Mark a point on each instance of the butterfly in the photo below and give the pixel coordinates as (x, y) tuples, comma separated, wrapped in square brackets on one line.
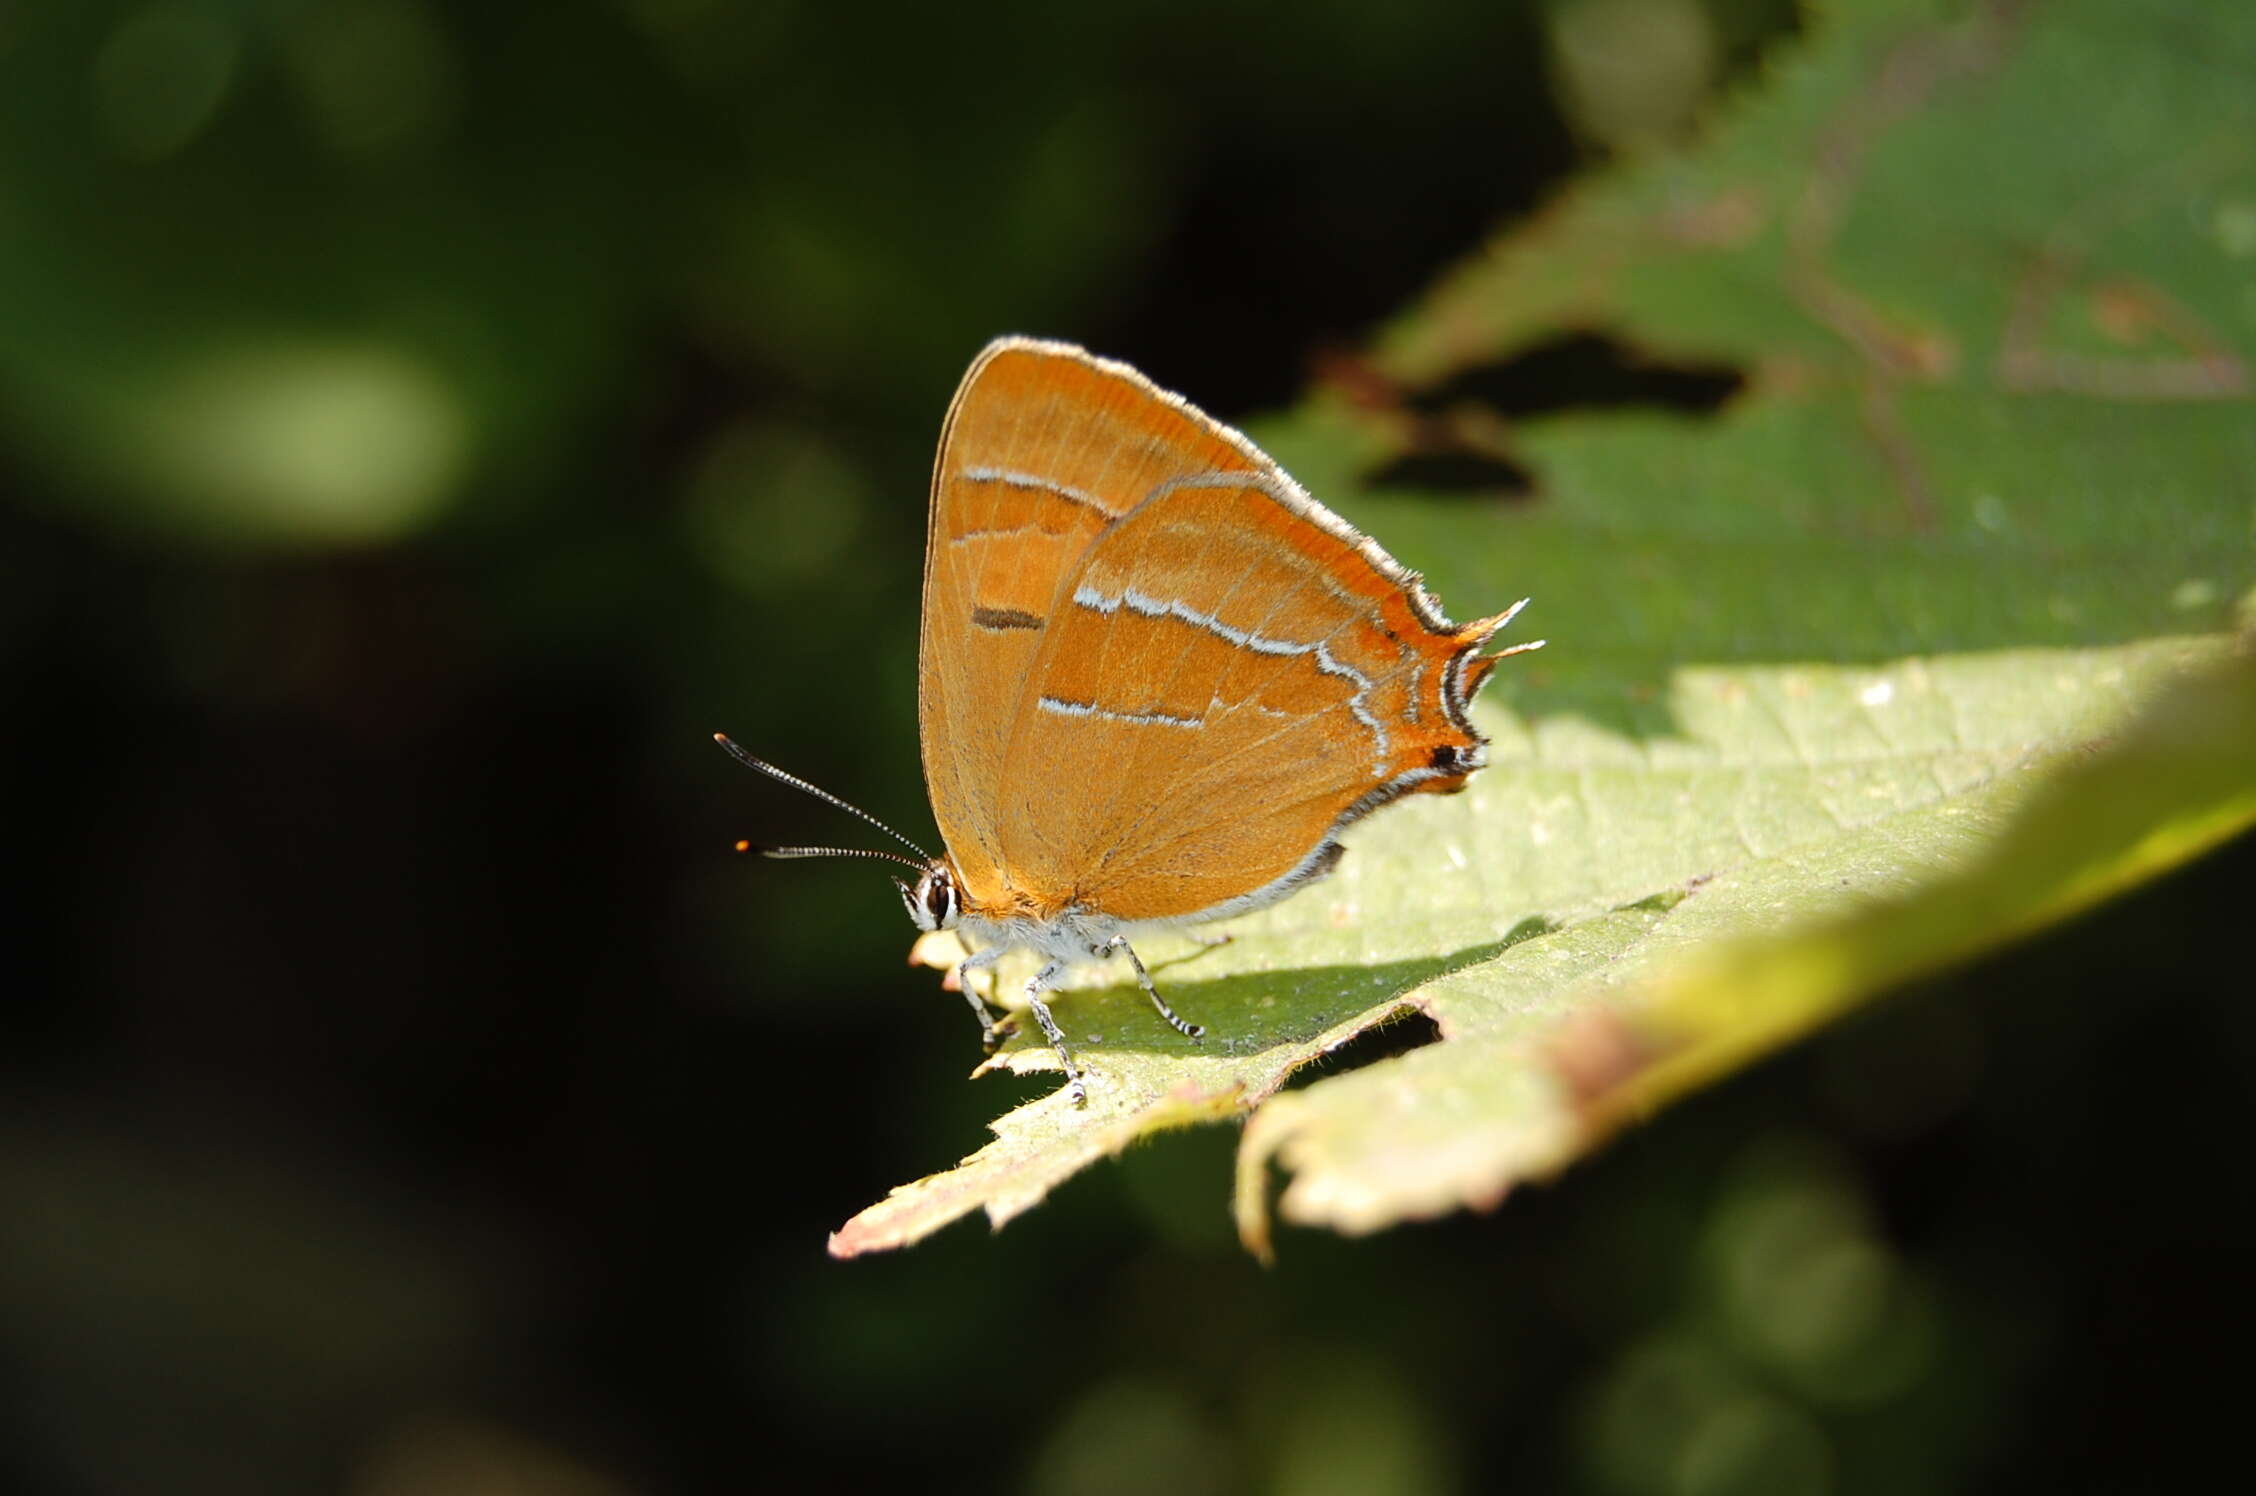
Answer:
[(1155, 677)]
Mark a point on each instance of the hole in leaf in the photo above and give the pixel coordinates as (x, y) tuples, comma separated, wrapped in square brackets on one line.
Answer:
[(1584, 371), (1457, 471), (1460, 429), (1396, 1036)]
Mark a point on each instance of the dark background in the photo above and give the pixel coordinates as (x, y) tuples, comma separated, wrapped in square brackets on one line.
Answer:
[(425, 424)]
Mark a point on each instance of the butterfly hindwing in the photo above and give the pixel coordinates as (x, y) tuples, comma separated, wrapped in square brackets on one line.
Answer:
[(1227, 675)]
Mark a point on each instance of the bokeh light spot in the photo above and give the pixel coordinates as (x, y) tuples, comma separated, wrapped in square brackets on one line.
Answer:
[(1755, 1446), (312, 442), (1806, 1285), (773, 506), (1127, 1436), (375, 74), (1340, 1423), (1648, 1409), (161, 75)]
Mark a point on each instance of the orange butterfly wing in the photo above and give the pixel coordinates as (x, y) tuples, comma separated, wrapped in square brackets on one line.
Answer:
[(1043, 447), (1235, 674), (1155, 674)]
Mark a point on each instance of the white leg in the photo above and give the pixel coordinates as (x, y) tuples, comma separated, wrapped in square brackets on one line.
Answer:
[(1120, 943), (1034, 990), (991, 1033)]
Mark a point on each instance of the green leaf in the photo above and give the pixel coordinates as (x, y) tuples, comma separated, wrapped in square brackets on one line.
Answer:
[(1919, 643), (1556, 1043)]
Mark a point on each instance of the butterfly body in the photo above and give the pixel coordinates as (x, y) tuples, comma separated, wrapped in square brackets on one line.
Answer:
[(1155, 677)]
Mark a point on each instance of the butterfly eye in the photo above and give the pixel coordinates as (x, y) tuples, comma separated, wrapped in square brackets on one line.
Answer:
[(932, 903), (936, 891)]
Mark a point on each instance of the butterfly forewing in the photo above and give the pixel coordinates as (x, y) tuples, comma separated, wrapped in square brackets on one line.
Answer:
[(1043, 448)]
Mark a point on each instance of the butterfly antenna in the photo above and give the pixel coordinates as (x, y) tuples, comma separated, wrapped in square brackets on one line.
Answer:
[(827, 798), (790, 852)]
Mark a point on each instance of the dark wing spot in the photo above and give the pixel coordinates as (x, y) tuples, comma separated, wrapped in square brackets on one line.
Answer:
[(1006, 618)]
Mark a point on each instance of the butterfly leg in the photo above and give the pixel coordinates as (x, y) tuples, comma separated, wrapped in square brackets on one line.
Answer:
[(1034, 990), (991, 1033), (1120, 943)]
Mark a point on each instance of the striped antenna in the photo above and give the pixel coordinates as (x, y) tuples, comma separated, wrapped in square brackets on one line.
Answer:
[(801, 785), (790, 852)]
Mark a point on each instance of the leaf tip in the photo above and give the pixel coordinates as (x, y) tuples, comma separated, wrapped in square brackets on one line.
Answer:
[(1250, 1199)]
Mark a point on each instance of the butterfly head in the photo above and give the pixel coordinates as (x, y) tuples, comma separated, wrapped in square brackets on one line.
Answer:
[(933, 901)]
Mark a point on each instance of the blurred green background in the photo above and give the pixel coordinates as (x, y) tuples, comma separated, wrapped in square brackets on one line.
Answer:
[(425, 424)]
